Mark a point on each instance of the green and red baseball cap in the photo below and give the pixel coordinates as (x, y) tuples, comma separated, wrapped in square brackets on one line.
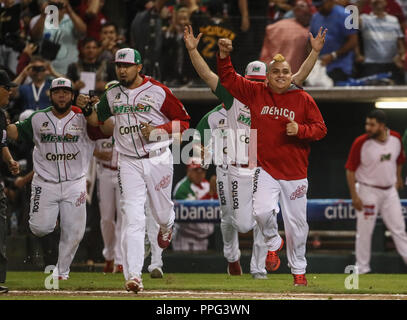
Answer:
[(61, 83), (128, 55), (256, 70)]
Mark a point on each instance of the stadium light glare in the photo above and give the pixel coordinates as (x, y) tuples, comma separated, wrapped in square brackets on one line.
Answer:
[(391, 103)]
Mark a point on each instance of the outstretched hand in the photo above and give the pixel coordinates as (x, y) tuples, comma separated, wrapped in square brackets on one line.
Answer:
[(318, 42), (191, 42)]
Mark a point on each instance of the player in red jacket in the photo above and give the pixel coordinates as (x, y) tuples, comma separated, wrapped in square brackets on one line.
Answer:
[(287, 120)]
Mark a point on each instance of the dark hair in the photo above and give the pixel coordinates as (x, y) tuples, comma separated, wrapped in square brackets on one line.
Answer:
[(38, 58), (109, 24), (379, 115), (87, 40)]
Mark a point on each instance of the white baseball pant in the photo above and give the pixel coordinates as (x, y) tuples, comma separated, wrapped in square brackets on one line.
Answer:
[(110, 214), (139, 178), (387, 202), (268, 193), (152, 230), (238, 216), (68, 199)]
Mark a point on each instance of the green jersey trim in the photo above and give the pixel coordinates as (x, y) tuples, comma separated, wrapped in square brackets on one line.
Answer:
[(204, 124), (224, 96), (183, 190), (103, 109), (25, 128)]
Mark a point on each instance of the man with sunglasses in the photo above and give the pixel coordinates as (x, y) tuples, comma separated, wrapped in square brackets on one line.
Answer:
[(5, 88), (35, 94)]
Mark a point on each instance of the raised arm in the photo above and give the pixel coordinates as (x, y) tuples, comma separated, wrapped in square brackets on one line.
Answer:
[(239, 87), (201, 67), (317, 44)]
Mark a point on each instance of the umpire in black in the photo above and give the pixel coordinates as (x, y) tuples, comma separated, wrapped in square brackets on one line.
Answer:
[(5, 90)]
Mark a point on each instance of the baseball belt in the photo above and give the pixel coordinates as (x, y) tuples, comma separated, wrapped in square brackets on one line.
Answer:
[(377, 187)]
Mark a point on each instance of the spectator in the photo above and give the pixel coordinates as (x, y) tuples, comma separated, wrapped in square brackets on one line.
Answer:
[(11, 44), (109, 42), (70, 29), (249, 20), (383, 43), (35, 94), (278, 9), (146, 37), (214, 27), (193, 236), (392, 7), (90, 12), (289, 37), (337, 54), (176, 67), (96, 73)]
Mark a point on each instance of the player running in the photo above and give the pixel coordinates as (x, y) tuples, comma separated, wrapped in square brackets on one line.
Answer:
[(142, 107), (63, 149), (286, 119), (236, 179)]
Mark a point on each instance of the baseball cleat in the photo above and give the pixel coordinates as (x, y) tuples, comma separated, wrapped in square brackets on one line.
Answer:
[(118, 268), (300, 280), (108, 268), (3, 289), (272, 259), (259, 276), (135, 285), (157, 273), (62, 278), (164, 238), (234, 268)]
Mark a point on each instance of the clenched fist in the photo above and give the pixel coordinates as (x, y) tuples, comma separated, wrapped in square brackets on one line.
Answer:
[(225, 47)]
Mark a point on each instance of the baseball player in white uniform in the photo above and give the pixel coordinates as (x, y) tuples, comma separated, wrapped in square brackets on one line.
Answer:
[(240, 175), (231, 192), (373, 172), (61, 157), (109, 203), (143, 108)]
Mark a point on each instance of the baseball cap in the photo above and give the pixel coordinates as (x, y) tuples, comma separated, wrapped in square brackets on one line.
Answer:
[(128, 55), (256, 70), (194, 163), (61, 83), (5, 80)]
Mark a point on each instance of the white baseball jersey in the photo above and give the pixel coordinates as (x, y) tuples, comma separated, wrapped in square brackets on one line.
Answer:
[(151, 102), (239, 122), (62, 149), (213, 133), (375, 163), (107, 145)]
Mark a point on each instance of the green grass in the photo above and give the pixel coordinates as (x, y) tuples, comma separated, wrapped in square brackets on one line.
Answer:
[(277, 283)]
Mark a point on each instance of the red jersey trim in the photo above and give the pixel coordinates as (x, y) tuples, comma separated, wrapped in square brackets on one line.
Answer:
[(354, 155)]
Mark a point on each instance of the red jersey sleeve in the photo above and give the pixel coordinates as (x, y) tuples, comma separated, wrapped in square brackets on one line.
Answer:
[(354, 155), (314, 128), (402, 156), (239, 87), (174, 110)]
